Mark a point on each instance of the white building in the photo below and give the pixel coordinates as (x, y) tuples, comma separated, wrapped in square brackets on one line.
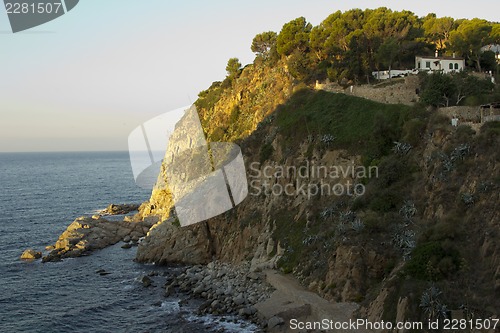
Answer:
[(439, 64)]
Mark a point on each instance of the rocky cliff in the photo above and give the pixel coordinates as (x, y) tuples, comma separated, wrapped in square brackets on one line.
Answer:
[(363, 202)]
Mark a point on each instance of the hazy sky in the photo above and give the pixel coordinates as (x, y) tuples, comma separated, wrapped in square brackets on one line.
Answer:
[(85, 80)]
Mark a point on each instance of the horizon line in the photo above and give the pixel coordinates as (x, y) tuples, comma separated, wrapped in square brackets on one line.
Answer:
[(64, 151)]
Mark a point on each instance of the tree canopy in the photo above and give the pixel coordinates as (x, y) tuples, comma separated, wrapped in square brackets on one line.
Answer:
[(294, 36), (348, 46), (233, 67), (469, 38), (263, 43)]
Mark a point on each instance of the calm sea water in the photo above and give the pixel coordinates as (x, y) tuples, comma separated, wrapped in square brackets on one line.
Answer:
[(40, 194)]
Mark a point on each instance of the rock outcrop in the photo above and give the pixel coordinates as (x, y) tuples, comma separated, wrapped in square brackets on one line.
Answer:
[(86, 234), (169, 243)]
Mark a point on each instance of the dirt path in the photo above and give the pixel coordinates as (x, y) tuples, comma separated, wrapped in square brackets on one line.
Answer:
[(292, 301)]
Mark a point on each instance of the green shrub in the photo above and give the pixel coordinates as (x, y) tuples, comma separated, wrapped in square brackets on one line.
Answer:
[(385, 201), (430, 261), (413, 131), (265, 152), (464, 133), (290, 234), (208, 98), (491, 128)]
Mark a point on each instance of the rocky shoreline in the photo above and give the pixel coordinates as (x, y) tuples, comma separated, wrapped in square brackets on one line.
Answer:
[(86, 234), (226, 288), (217, 288)]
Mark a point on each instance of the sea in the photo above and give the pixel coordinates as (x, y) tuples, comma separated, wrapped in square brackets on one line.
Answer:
[(40, 195)]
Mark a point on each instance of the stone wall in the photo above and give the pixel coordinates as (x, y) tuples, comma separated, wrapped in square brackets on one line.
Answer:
[(396, 91), (463, 113)]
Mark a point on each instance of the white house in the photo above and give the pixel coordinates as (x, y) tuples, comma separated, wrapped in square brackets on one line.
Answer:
[(436, 63)]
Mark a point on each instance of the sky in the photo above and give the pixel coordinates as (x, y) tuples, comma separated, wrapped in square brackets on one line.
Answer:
[(86, 80)]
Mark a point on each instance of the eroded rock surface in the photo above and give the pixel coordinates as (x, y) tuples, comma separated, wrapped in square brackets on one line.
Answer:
[(87, 234)]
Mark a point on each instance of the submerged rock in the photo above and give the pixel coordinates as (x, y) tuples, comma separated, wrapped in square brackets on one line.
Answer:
[(102, 272)]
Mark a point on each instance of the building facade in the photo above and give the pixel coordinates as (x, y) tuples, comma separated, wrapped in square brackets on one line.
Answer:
[(439, 64)]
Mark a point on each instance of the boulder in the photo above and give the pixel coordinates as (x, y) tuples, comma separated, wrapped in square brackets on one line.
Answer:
[(239, 300), (31, 254)]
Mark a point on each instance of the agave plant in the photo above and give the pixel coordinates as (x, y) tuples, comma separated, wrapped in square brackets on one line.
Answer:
[(347, 217), (405, 240), (468, 199), (326, 139), (327, 213), (460, 152), (357, 225), (401, 148), (408, 210), (431, 304)]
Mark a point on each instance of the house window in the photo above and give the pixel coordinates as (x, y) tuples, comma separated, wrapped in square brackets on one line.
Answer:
[(451, 65), (427, 64), (456, 66)]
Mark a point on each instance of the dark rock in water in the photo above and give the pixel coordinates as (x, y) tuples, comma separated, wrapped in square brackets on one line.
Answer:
[(102, 272), (126, 246), (146, 281), (51, 257), (169, 290), (31, 254)]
